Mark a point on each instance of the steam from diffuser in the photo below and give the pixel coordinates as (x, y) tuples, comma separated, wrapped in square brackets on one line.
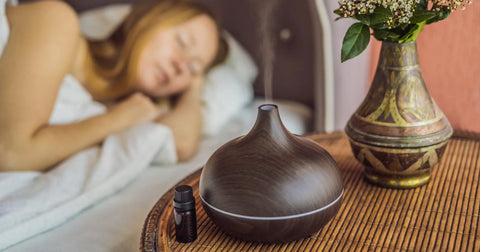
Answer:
[(267, 44)]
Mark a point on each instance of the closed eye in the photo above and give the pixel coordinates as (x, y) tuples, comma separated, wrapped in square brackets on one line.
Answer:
[(182, 39)]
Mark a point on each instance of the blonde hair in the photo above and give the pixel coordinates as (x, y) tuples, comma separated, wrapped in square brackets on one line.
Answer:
[(116, 59)]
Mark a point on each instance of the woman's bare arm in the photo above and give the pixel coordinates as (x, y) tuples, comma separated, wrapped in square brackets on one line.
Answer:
[(185, 121), (44, 37)]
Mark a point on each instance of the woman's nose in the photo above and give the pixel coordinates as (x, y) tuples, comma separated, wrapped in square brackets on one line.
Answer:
[(187, 63), (177, 68)]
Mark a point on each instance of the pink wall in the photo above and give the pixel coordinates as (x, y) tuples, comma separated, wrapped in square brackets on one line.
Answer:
[(449, 54)]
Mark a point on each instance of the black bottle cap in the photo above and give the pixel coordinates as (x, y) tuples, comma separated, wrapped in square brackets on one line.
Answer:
[(184, 199)]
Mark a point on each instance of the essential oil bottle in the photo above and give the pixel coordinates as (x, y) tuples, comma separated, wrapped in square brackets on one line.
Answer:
[(184, 213)]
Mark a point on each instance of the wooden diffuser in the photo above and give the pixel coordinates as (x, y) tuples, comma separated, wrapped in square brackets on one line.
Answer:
[(270, 185)]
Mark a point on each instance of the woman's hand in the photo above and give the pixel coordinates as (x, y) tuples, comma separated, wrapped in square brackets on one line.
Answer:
[(194, 91), (137, 108), (197, 82), (185, 120)]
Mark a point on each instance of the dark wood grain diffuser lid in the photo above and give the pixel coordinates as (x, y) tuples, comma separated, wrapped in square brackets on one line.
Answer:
[(270, 172)]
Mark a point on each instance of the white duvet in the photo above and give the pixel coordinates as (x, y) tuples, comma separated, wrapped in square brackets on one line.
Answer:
[(32, 202)]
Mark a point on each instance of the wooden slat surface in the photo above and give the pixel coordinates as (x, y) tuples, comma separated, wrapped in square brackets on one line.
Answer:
[(441, 216)]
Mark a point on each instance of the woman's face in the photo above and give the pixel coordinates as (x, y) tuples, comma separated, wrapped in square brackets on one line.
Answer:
[(175, 56)]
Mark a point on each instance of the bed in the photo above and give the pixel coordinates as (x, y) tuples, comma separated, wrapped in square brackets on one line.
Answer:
[(303, 89)]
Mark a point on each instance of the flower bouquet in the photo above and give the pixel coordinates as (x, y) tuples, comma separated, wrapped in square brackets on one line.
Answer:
[(391, 20)]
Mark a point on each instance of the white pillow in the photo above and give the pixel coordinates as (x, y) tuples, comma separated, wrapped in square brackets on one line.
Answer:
[(99, 23), (227, 88), (4, 29)]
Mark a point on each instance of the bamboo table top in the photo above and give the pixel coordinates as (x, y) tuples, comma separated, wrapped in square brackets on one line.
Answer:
[(440, 216)]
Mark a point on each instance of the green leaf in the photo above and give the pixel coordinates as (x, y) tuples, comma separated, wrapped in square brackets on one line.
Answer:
[(422, 15), (355, 41), (363, 18), (444, 13), (379, 16), (376, 19), (412, 34), (441, 15), (385, 35), (422, 5)]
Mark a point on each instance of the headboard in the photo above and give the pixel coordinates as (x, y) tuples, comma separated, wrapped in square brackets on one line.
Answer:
[(300, 71)]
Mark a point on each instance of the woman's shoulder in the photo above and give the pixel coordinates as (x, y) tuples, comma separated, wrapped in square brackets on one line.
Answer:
[(57, 16), (44, 30), (40, 32)]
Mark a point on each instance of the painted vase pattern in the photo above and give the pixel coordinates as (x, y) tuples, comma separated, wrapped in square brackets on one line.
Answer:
[(398, 133)]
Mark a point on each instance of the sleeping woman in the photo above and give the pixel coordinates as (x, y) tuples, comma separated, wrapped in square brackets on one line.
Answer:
[(161, 50)]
